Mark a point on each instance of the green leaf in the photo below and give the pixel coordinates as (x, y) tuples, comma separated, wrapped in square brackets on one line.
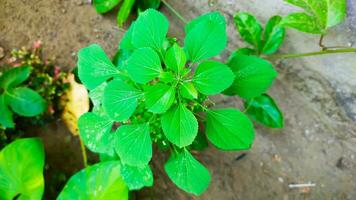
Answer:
[(264, 110), (101, 181), (144, 65), (95, 130), (187, 173), (302, 22), (6, 119), (159, 98), (244, 51), (253, 76), (133, 144), (166, 77), (188, 91), (14, 76), (180, 126), (322, 14), (25, 101), (94, 67), (21, 170), (212, 77), (126, 41), (150, 30), (137, 177), (273, 35), (249, 28), (175, 58), (124, 11), (229, 129), (121, 57), (205, 37), (103, 6), (120, 100), (96, 95)]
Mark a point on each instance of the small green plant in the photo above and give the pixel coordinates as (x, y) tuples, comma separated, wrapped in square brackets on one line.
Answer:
[(22, 100), (21, 170), (153, 96), (104, 6)]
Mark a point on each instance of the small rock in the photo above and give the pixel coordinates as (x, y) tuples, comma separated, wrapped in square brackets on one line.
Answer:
[(343, 163), (79, 2), (2, 53), (64, 11), (280, 179)]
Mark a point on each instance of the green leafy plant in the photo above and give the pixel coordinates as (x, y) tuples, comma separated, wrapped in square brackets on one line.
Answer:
[(251, 66), (151, 96), (22, 100), (104, 6), (21, 170)]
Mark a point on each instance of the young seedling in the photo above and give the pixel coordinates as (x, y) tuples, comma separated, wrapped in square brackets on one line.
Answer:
[(158, 92)]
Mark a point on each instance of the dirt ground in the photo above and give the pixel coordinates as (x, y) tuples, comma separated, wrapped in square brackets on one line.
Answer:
[(317, 96)]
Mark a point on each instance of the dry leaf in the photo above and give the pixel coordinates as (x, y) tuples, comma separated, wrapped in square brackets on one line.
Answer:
[(76, 103)]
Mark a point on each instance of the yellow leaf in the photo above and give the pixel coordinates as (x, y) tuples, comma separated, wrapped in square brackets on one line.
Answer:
[(76, 103)]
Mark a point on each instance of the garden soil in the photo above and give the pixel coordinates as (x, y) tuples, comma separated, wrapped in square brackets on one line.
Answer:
[(317, 96)]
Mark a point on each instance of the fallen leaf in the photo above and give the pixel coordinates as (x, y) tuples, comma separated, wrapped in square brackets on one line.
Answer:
[(76, 103)]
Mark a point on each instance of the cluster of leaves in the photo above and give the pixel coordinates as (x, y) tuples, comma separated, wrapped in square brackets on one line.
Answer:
[(21, 99), (151, 94), (104, 6)]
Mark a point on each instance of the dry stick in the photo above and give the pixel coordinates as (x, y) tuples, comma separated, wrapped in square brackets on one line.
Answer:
[(323, 52), (84, 153)]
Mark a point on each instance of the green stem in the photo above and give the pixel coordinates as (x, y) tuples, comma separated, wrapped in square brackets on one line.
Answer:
[(84, 153), (328, 51), (174, 11)]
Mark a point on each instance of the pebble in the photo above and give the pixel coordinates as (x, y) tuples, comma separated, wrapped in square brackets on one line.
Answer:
[(344, 163), (2, 53), (79, 2), (280, 179)]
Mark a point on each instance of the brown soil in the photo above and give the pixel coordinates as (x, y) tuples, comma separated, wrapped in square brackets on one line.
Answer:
[(317, 145)]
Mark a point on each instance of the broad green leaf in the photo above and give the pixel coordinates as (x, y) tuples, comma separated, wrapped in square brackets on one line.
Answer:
[(229, 129), (6, 119), (95, 130), (159, 97), (25, 101), (273, 35), (103, 6), (188, 91), (137, 177), (120, 100), (96, 94), (264, 110), (150, 30), (166, 77), (133, 144), (323, 14), (94, 66), (175, 58), (244, 51), (101, 181), (212, 77), (187, 173), (144, 65), (205, 37), (21, 170), (249, 28), (302, 22), (124, 11), (180, 126), (126, 41), (14, 76), (253, 76)]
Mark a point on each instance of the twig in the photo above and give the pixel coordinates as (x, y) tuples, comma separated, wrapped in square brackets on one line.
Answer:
[(302, 185)]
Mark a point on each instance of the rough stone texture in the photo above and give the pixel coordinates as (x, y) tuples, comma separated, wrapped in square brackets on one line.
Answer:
[(316, 94)]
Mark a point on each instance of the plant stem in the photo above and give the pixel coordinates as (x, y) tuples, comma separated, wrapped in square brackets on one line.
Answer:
[(174, 11), (328, 51), (84, 153)]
